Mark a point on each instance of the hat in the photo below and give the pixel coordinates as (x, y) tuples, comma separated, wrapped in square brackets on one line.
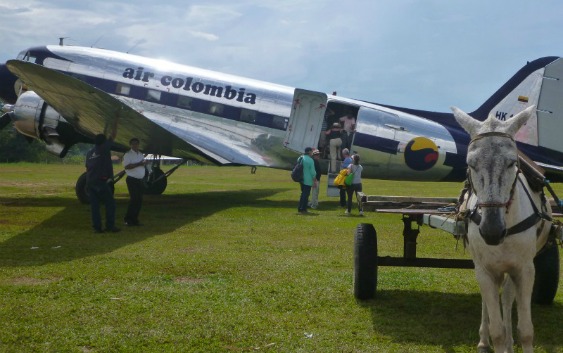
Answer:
[(316, 152), (308, 149)]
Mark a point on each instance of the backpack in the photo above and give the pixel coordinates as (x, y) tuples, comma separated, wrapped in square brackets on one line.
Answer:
[(297, 172)]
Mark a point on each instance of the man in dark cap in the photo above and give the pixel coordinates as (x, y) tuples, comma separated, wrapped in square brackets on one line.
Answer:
[(99, 175)]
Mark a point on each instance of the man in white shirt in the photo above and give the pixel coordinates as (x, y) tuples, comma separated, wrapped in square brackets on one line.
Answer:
[(134, 164)]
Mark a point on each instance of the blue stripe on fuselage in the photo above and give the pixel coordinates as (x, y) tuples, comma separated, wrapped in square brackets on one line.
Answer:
[(376, 143)]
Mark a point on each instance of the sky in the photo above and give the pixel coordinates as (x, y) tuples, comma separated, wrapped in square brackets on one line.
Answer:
[(426, 54)]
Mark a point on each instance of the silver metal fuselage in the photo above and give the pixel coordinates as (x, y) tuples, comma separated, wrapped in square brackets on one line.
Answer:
[(239, 121)]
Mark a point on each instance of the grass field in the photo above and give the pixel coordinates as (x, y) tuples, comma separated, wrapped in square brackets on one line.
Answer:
[(223, 263)]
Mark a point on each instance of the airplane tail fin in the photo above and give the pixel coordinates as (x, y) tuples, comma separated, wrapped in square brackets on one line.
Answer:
[(540, 83)]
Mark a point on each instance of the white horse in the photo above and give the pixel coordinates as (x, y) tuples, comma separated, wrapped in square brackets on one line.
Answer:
[(507, 224)]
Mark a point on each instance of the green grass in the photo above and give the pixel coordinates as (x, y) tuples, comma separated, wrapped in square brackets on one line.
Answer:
[(225, 264)]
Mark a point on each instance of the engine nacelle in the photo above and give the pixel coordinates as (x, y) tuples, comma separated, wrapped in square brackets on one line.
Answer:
[(34, 118)]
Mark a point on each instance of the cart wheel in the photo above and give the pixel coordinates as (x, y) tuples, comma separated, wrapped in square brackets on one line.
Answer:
[(365, 261), (547, 275)]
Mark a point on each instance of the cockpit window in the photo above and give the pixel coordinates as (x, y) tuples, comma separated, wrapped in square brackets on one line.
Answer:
[(27, 56)]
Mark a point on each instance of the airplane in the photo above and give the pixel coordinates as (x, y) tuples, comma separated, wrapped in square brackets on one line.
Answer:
[(64, 94)]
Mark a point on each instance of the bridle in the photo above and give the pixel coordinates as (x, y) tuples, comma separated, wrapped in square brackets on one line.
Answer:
[(523, 225), (494, 204)]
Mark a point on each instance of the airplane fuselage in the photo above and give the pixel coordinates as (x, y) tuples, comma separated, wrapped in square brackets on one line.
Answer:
[(239, 121)]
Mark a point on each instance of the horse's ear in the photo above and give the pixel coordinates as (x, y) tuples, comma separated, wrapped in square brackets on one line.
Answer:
[(518, 120), (467, 122)]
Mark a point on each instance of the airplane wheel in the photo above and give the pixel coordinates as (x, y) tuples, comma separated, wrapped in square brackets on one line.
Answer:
[(81, 190), (547, 275), (365, 261), (158, 187)]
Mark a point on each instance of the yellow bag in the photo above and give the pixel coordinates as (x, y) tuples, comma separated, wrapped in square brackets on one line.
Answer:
[(341, 177)]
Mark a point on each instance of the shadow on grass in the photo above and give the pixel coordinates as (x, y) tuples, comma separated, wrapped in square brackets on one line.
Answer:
[(68, 235), (452, 319)]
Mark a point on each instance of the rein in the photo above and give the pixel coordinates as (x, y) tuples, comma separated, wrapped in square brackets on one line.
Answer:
[(523, 225)]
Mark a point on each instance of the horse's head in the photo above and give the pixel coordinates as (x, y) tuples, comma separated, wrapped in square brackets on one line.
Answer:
[(492, 160)]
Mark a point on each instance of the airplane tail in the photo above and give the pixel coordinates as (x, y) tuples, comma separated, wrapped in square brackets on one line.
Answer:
[(538, 83)]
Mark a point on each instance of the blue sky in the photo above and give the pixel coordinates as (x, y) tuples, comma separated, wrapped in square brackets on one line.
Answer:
[(428, 54)]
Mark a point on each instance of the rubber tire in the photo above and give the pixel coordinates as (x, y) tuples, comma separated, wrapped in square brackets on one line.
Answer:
[(365, 262), (81, 190), (158, 187), (547, 275)]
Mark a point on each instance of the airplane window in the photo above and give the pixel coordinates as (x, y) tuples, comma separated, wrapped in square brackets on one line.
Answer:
[(123, 89), (153, 95), (248, 116), (279, 122), (185, 102), (216, 108)]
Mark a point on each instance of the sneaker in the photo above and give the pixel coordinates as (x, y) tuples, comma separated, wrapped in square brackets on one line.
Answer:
[(113, 230), (346, 212), (361, 213)]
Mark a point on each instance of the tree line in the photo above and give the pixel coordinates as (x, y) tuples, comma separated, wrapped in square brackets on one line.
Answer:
[(15, 147)]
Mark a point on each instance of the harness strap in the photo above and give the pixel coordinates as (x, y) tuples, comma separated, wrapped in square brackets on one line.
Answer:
[(523, 225)]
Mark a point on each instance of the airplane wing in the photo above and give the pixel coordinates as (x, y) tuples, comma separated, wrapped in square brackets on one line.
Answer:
[(92, 111)]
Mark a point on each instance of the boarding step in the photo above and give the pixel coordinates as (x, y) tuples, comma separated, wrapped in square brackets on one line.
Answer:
[(331, 189)]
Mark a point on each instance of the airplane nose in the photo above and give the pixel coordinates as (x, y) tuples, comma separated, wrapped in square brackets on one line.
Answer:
[(7, 82)]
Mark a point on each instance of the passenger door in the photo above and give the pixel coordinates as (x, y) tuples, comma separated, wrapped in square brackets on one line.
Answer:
[(305, 121)]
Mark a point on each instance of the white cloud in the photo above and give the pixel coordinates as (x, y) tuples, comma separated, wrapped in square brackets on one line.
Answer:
[(423, 54)]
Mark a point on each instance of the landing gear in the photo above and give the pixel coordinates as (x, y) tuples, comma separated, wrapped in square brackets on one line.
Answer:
[(82, 190), (155, 180)]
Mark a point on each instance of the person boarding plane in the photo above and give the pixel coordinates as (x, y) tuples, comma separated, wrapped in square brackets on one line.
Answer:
[(68, 94)]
